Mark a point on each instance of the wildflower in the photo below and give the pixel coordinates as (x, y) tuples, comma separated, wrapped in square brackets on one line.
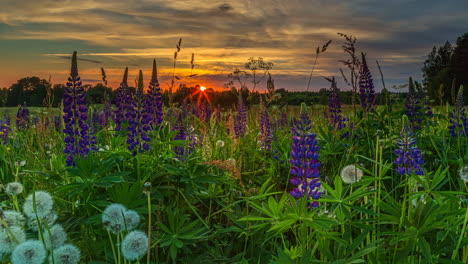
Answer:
[(43, 204), (336, 120), (409, 158), (138, 122), (265, 128), (147, 187), (123, 102), (113, 218), (458, 118), (57, 123), (29, 252), (56, 238), (132, 219), (154, 103), (50, 219), (366, 87), (66, 254), (12, 218), (14, 188), (464, 174), (75, 114), (181, 151), (219, 143), (10, 238), (240, 123), (20, 163), (22, 117), (351, 174), (304, 161), (134, 245)]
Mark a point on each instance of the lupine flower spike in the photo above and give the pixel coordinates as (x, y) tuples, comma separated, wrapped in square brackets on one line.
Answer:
[(409, 158), (366, 87), (304, 160), (75, 114), (154, 103)]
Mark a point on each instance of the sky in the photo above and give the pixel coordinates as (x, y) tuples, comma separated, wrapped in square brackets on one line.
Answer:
[(37, 38)]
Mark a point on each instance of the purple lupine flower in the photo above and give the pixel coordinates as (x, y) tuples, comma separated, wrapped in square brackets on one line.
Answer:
[(35, 121), (240, 123), (75, 115), (335, 119), (138, 121), (154, 103), (366, 87), (46, 123), (123, 102), (414, 109), (409, 158), (304, 160), (22, 117), (181, 135), (57, 123), (458, 118), (265, 128), (107, 113)]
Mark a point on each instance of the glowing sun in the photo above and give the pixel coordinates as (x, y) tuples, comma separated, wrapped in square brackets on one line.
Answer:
[(202, 88)]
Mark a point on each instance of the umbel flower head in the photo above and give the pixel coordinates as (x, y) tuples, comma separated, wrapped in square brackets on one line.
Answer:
[(304, 160), (14, 188), (351, 174), (66, 254), (134, 245), (10, 238), (29, 252), (38, 204)]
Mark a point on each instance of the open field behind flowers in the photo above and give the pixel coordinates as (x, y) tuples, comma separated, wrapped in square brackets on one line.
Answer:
[(140, 182)]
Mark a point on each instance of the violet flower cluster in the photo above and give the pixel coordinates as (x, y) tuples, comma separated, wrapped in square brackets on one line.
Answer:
[(58, 123), (75, 115), (265, 128), (22, 117), (304, 161), (366, 87), (154, 103), (240, 123), (181, 151), (138, 121), (123, 103), (458, 118), (409, 157), (414, 110), (335, 119)]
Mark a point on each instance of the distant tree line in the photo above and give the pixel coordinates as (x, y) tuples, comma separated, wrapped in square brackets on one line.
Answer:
[(445, 69), (39, 92)]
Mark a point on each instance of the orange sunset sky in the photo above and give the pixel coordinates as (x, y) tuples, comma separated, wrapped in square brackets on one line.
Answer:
[(38, 37)]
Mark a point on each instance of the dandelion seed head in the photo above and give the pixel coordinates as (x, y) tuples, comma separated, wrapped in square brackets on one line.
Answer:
[(13, 218), (56, 238), (464, 174), (134, 245), (9, 241), (351, 174), (219, 143), (66, 254), (14, 188), (132, 219), (113, 218), (50, 218), (43, 201), (28, 252)]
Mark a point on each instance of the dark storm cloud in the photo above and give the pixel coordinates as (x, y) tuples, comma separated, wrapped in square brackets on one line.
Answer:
[(80, 59)]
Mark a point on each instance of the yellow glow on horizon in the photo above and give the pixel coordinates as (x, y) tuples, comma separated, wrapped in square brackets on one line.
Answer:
[(202, 88)]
